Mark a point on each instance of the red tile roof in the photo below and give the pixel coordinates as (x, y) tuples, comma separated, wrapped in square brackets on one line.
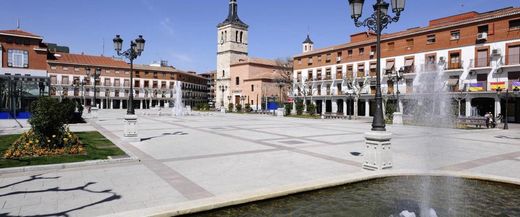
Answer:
[(18, 32), (81, 59), (459, 19)]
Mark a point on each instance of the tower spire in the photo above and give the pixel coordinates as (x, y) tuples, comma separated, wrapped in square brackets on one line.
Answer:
[(233, 15), (18, 24)]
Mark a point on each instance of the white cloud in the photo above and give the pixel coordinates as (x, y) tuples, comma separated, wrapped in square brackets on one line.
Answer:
[(167, 25)]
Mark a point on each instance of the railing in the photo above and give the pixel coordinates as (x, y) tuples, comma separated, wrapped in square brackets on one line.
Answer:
[(513, 84), (457, 65), (480, 62), (480, 86)]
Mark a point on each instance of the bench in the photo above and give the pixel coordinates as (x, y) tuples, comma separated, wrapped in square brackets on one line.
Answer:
[(476, 121), (334, 116)]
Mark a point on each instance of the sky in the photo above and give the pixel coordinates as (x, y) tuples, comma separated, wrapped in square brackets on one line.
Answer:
[(184, 32)]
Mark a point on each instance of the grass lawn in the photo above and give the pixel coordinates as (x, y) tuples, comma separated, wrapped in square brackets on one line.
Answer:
[(98, 148)]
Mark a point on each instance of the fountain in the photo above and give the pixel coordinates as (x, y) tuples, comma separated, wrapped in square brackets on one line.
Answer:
[(179, 109)]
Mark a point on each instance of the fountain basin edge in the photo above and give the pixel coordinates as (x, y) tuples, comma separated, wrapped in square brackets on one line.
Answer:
[(233, 199)]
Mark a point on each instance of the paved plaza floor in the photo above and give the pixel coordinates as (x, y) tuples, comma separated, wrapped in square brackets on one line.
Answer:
[(213, 156)]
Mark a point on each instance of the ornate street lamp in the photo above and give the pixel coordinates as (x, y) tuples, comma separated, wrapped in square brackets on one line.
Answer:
[(378, 21), (378, 155), (94, 75), (135, 50)]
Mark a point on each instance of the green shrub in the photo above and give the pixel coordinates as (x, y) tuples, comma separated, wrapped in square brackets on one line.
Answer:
[(68, 107), (311, 109), (48, 117), (288, 108), (299, 107), (230, 107), (247, 108), (239, 107)]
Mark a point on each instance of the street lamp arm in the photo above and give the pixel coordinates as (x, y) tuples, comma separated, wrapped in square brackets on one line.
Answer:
[(371, 22)]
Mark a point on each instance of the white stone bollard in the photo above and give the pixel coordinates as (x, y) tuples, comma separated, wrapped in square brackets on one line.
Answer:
[(131, 128), (398, 118), (378, 152)]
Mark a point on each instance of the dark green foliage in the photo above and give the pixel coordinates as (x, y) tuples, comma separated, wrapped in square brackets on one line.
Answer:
[(230, 107), (248, 108), (299, 107), (311, 109), (239, 107), (68, 107), (288, 108), (48, 117)]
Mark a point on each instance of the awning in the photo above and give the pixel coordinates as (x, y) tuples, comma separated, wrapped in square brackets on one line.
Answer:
[(453, 82), (373, 66), (390, 65), (408, 62)]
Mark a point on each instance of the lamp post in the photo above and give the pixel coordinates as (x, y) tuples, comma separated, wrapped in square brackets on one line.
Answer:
[(94, 75), (348, 105), (77, 83), (378, 154), (499, 92), (135, 50), (222, 88), (378, 21)]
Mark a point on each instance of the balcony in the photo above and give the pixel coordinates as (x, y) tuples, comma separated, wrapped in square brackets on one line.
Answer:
[(513, 84), (480, 63), (480, 86), (455, 65)]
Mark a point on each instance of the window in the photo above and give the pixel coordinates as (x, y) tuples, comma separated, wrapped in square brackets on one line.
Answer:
[(391, 45), (338, 58), (309, 75), (431, 60), (65, 80), (483, 29), (223, 73), (339, 72), (361, 51), (54, 79), (350, 71), (318, 74), (513, 56), (17, 58), (430, 39), (117, 83), (137, 74), (372, 51), (373, 67), (328, 74), (107, 81), (328, 58), (482, 58), (514, 25), (409, 43), (309, 61), (349, 53), (390, 66), (146, 84), (455, 35), (237, 80), (252, 88), (319, 58), (299, 61), (409, 65), (454, 62)]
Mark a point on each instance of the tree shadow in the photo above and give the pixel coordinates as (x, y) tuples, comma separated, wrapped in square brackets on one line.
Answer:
[(111, 195), (32, 178), (165, 134)]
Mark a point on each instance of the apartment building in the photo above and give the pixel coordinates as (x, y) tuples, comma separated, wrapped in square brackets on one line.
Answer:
[(153, 84), (211, 77), (476, 53), (23, 72)]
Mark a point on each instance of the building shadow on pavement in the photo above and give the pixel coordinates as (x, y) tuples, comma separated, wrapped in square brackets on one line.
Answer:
[(111, 196)]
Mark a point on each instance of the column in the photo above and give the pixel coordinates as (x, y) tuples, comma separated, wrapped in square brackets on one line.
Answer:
[(141, 103), (111, 104), (102, 103), (356, 107), (335, 106), (293, 111), (120, 104), (498, 107), (323, 106), (367, 108), (468, 107), (345, 107)]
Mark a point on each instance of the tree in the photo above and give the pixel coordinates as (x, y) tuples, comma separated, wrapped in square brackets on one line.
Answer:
[(285, 81), (356, 89)]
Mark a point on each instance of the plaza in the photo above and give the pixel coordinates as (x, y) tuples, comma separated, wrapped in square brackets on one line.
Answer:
[(212, 159)]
